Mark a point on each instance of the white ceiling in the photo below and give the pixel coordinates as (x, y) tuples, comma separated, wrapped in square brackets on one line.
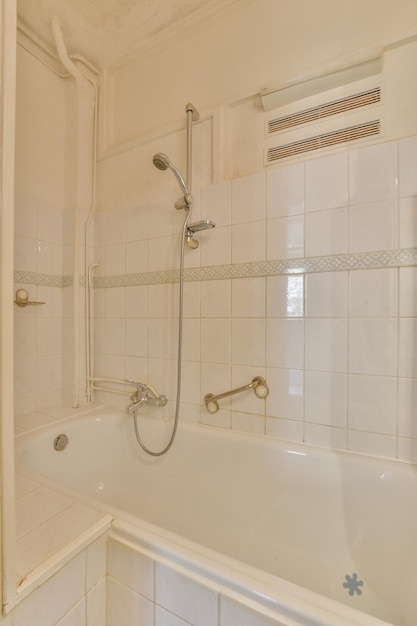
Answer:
[(107, 30)]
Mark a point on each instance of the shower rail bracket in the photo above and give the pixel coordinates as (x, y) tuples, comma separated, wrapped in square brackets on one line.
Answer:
[(258, 384)]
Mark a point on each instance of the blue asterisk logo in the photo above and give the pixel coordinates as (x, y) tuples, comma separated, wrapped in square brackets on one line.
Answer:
[(353, 584)]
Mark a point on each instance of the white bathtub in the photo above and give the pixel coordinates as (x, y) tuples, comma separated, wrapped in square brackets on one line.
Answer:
[(318, 537)]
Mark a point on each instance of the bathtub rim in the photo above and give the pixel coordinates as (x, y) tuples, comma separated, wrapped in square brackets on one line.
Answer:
[(271, 593)]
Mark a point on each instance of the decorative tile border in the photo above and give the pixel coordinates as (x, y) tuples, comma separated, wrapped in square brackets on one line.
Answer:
[(45, 280), (333, 263)]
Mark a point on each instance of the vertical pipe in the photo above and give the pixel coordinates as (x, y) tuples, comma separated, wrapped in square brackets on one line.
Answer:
[(7, 152)]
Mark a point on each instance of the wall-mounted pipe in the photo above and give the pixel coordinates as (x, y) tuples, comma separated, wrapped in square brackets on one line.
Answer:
[(80, 82), (63, 54)]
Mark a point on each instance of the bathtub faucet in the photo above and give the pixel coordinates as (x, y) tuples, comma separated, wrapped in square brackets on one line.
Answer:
[(144, 395)]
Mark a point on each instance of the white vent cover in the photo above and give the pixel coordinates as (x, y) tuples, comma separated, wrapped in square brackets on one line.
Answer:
[(326, 140), (321, 111), (346, 114)]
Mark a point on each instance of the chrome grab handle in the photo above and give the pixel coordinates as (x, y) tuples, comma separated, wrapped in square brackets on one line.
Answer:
[(258, 384)]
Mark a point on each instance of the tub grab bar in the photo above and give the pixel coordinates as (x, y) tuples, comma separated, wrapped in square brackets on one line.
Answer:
[(258, 384)]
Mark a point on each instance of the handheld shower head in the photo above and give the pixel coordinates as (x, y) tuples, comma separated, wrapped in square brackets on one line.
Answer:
[(162, 162)]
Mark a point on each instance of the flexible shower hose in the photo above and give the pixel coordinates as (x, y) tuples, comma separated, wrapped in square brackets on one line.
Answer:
[(179, 357)]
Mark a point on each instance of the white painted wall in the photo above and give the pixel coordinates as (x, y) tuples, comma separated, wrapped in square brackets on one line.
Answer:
[(257, 43)]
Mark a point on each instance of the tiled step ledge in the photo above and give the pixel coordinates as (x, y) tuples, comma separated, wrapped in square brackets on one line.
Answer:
[(306, 265), (38, 559)]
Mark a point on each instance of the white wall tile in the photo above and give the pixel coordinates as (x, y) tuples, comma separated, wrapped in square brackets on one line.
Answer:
[(248, 341), (373, 293), (373, 404), (126, 607), (327, 182), (407, 347), (285, 343), (216, 298), (115, 226), (287, 430), (216, 340), (217, 249), (373, 226), (217, 203), (136, 301), (248, 297), (49, 256), (408, 285), (97, 604), (248, 423), (49, 374), (131, 568), (285, 238), (248, 198), (160, 253), (161, 217), (326, 398), (373, 173), (26, 254), (248, 242), (407, 407), (285, 296), (25, 216), (327, 232), (165, 618), (408, 166), (373, 346), (326, 344), (286, 393), (327, 294), (75, 616), (160, 298), (372, 443), (50, 224), (160, 334), (49, 337), (408, 222), (96, 561), (114, 336), (185, 597), (115, 260), (325, 436), (137, 256), (137, 222), (191, 377), (285, 191), (407, 449)]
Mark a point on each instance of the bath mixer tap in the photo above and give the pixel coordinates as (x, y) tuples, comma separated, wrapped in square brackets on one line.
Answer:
[(141, 396)]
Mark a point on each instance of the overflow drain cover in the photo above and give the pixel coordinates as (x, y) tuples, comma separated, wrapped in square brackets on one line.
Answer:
[(60, 442)]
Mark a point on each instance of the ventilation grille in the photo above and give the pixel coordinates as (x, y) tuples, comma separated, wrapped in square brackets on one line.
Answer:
[(360, 131), (349, 103)]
